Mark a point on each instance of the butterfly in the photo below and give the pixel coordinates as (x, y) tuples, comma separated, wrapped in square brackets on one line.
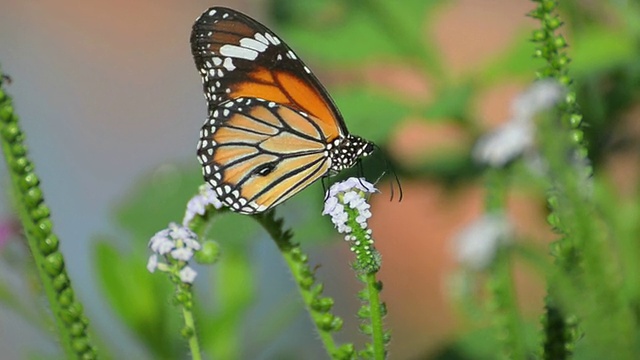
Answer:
[(272, 129)]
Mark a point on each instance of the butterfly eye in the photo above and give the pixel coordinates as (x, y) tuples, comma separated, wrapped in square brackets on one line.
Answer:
[(265, 169)]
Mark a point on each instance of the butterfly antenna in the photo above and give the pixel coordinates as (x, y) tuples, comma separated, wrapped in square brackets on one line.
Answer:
[(399, 184), (324, 187), (360, 173), (388, 166)]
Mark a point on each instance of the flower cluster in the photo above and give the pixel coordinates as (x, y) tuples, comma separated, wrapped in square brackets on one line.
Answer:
[(348, 194), (477, 244), (346, 204), (516, 136), (197, 205), (177, 245)]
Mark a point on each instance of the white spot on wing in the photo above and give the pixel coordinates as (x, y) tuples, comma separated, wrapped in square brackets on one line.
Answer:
[(261, 38), (253, 44), (274, 40), (238, 52), (228, 64)]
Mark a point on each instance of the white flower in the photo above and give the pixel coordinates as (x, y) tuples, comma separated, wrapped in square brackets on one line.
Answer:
[(329, 205), (349, 193), (476, 245), (161, 243), (182, 253), (187, 275), (504, 144), (180, 232), (540, 96), (192, 243), (352, 183), (517, 135), (152, 264), (174, 243), (197, 204)]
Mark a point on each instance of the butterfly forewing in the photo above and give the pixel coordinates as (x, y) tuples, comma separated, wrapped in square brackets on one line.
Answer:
[(239, 57)]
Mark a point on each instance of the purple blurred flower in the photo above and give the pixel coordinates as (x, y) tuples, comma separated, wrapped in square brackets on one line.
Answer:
[(9, 228)]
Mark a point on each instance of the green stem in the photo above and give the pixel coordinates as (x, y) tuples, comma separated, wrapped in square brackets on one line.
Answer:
[(189, 323), (377, 335), (506, 317), (34, 214)]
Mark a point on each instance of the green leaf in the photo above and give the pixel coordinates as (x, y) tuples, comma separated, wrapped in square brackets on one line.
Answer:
[(348, 33), (138, 297), (235, 293)]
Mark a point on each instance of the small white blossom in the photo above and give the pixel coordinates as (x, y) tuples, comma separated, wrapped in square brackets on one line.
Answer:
[(182, 253), (541, 95), (193, 244), (187, 275), (352, 183), (174, 243), (152, 264), (349, 193), (161, 243), (177, 232), (476, 245), (505, 143), (517, 135), (197, 204), (157, 239)]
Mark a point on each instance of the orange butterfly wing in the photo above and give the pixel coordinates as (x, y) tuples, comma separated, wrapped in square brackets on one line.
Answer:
[(256, 153)]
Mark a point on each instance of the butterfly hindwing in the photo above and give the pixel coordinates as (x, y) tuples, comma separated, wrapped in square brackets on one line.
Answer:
[(238, 57), (257, 153)]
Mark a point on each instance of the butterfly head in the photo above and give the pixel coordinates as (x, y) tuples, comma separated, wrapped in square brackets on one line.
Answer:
[(345, 152)]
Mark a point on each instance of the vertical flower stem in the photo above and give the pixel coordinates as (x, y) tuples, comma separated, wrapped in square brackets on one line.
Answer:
[(506, 317), (560, 328), (68, 313), (190, 326), (376, 313)]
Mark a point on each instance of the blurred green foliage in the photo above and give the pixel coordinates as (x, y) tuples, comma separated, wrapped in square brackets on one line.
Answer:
[(347, 36)]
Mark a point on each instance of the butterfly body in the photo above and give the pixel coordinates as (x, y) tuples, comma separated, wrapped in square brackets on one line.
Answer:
[(272, 128)]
